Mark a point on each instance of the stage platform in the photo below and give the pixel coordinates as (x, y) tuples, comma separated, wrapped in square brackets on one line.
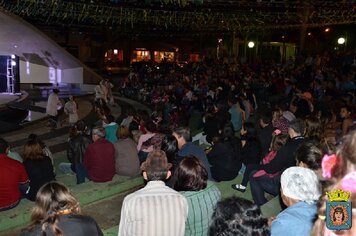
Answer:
[(7, 98), (18, 110)]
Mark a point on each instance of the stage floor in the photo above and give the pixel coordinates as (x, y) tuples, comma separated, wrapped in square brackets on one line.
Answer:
[(6, 98), (11, 106)]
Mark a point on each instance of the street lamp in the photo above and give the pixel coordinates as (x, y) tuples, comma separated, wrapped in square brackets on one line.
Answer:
[(251, 44), (341, 40)]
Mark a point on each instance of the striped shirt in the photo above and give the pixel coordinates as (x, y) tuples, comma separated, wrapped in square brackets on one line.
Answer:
[(201, 207), (155, 210)]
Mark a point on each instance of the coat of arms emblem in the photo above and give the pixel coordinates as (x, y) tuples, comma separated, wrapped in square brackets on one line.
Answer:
[(338, 210)]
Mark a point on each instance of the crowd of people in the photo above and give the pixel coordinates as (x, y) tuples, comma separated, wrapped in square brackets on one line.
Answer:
[(288, 129)]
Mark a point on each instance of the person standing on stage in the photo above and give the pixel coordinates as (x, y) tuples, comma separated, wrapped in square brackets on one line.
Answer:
[(71, 109), (53, 104)]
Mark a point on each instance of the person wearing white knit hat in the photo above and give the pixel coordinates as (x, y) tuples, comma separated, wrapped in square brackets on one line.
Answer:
[(300, 189)]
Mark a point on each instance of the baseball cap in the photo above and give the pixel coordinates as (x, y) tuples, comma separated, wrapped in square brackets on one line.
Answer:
[(156, 161)]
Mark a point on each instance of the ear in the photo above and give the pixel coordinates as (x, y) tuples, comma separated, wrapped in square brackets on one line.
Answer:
[(144, 175), (169, 174)]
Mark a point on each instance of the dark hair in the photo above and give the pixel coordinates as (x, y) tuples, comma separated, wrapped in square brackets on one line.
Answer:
[(191, 175), (298, 125), (110, 118), (266, 117), (251, 131), (183, 132), (339, 209), (236, 216), (170, 146), (154, 173), (32, 137), (3, 145), (80, 125), (309, 153), (278, 141), (150, 126), (313, 128), (233, 142)]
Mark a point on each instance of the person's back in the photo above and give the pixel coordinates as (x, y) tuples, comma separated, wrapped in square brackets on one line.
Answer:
[(51, 108), (155, 210), (202, 196), (285, 156), (40, 171), (99, 157), (76, 148), (225, 160), (126, 158), (190, 149), (236, 117), (12, 173)]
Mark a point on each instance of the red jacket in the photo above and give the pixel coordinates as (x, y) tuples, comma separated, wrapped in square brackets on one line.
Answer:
[(99, 160), (12, 174)]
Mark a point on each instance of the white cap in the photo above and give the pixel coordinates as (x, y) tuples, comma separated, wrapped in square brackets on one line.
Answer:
[(301, 184)]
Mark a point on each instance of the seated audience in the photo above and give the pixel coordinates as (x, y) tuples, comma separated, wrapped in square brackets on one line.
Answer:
[(126, 158), (299, 191), (46, 150), (144, 145), (75, 152), (57, 212), (167, 216), (170, 146), (187, 148), (250, 153), (284, 158), (313, 129), (192, 182), (225, 156), (99, 157), (13, 177), (265, 134), (110, 127), (277, 142), (38, 166), (347, 121), (238, 217)]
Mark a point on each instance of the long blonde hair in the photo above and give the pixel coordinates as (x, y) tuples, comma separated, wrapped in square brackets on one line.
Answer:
[(52, 200)]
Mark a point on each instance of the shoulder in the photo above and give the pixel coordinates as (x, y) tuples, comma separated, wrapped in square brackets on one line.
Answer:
[(7, 161)]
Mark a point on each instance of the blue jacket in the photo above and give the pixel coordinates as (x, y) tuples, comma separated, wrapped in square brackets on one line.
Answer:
[(190, 149), (296, 220)]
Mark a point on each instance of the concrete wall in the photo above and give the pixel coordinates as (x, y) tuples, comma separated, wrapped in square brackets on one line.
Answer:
[(73, 76), (34, 73)]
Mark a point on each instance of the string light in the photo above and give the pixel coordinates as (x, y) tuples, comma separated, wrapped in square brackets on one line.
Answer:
[(246, 16)]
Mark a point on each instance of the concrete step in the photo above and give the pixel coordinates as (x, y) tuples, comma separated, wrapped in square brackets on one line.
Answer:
[(86, 193)]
